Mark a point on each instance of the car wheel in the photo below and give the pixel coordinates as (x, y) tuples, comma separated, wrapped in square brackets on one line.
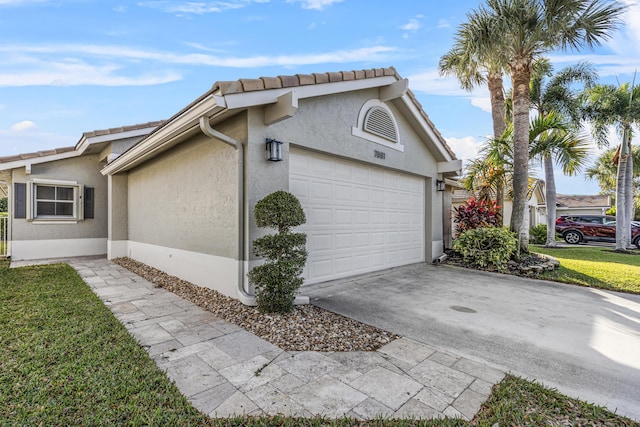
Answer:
[(637, 242), (572, 237)]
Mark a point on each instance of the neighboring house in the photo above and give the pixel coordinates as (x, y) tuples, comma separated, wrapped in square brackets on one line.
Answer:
[(355, 147), (597, 204), (536, 208), (58, 198)]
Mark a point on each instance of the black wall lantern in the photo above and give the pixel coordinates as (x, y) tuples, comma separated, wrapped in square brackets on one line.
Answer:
[(439, 185), (274, 150)]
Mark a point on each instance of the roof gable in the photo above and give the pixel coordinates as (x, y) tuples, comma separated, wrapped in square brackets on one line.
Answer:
[(280, 95)]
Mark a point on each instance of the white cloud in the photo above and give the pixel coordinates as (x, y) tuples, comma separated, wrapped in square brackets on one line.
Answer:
[(412, 25), (482, 102), (23, 126), (26, 65), (443, 23), (431, 82), (74, 73), (194, 7), (120, 8), (19, 2), (12, 142), (315, 4), (465, 148)]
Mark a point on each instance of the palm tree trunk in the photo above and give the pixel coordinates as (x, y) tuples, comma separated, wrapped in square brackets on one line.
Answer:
[(629, 193), (621, 195), (500, 201), (550, 195), (496, 92), (520, 77)]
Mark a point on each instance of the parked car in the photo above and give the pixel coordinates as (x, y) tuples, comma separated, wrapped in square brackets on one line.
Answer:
[(599, 228)]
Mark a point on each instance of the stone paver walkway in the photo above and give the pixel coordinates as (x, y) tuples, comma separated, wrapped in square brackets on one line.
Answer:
[(225, 370)]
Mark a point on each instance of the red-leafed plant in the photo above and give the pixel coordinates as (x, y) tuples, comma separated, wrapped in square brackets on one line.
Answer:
[(475, 214)]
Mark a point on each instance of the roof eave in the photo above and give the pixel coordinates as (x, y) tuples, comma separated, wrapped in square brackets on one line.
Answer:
[(185, 121)]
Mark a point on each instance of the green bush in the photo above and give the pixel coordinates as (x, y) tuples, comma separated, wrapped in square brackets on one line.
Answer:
[(538, 234), (3, 204), (278, 279), (487, 246)]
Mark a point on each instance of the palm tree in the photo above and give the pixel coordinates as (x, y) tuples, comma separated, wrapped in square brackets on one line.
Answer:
[(552, 97), (618, 106), (472, 71), (554, 140), (549, 136), (604, 170), (520, 31)]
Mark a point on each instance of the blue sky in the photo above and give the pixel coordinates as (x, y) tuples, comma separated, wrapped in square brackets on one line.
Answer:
[(73, 66)]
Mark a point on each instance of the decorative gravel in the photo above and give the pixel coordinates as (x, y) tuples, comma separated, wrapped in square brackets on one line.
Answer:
[(307, 328)]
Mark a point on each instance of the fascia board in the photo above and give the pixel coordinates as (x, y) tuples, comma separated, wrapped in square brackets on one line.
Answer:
[(270, 96), (426, 128), (36, 160), (165, 135), (118, 136)]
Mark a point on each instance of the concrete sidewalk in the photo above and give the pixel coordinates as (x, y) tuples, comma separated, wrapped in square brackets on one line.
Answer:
[(224, 370)]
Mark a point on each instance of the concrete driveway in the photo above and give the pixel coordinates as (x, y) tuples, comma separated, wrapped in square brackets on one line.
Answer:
[(583, 341)]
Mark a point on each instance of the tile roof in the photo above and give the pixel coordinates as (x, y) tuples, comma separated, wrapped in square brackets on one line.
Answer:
[(121, 129), (583, 201), (26, 156), (266, 83), (101, 132)]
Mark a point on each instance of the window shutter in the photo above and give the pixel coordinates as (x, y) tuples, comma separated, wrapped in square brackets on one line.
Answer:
[(20, 200), (88, 202)]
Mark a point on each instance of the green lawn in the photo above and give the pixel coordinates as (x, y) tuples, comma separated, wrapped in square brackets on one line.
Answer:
[(66, 360), (595, 267)]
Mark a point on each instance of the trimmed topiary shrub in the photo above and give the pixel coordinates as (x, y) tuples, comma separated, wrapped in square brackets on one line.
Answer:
[(538, 234), (475, 214), (278, 279), (487, 246)]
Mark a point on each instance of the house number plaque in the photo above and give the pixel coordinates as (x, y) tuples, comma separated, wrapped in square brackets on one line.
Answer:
[(379, 154)]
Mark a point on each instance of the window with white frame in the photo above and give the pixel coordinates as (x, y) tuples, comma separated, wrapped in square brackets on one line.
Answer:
[(55, 201), (51, 200)]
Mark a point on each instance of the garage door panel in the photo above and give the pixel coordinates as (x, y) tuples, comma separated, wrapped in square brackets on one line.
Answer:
[(360, 218)]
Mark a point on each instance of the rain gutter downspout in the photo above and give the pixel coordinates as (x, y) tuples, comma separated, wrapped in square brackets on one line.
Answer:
[(206, 129)]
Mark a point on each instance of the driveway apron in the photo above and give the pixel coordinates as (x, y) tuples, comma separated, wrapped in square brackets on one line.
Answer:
[(584, 342)]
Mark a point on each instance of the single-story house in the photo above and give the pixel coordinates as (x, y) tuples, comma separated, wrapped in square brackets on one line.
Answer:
[(356, 148), (58, 198), (596, 204)]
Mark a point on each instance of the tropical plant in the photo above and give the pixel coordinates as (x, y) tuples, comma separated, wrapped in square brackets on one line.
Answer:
[(604, 170), (277, 280), (548, 136), (487, 246), (538, 234), (607, 106), (556, 94), (556, 141), (518, 32), (473, 71), (474, 213)]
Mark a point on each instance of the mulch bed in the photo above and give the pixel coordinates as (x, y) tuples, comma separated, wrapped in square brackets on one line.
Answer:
[(307, 328)]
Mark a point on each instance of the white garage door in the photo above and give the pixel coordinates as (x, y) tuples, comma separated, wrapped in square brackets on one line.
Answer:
[(360, 218)]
